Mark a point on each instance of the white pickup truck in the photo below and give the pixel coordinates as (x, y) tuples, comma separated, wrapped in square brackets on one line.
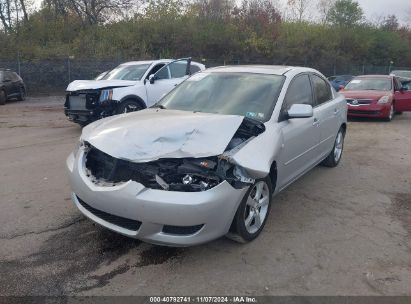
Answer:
[(131, 86)]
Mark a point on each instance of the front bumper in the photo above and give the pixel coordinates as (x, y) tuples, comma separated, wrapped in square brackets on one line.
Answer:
[(371, 110), (80, 116), (150, 211)]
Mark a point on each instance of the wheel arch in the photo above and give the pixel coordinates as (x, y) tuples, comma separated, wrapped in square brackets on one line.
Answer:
[(273, 175), (344, 127), (134, 98)]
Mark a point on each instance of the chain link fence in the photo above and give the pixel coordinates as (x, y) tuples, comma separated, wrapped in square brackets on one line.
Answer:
[(52, 76)]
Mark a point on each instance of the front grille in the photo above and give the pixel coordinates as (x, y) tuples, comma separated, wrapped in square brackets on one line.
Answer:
[(181, 230), (364, 112), (82, 100), (102, 167), (353, 101), (112, 219), (109, 169)]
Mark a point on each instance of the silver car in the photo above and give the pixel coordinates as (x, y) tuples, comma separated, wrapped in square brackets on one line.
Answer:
[(208, 158)]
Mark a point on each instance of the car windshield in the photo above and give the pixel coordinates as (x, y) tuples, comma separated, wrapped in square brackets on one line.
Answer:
[(127, 72), (246, 94), (373, 84), (406, 74)]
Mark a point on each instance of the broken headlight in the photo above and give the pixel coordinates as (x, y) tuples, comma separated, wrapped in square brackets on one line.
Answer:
[(191, 175), (106, 95)]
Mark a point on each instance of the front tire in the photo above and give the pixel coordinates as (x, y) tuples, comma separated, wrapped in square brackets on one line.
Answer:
[(252, 213), (2, 97), (129, 106), (22, 94), (334, 158)]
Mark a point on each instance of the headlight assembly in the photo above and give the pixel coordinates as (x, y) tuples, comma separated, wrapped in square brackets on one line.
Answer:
[(106, 95), (384, 99)]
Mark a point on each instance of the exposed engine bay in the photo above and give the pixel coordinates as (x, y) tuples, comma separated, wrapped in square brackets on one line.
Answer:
[(174, 174)]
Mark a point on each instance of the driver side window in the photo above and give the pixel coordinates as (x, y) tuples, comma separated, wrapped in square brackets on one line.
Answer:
[(155, 69), (163, 73), (299, 92)]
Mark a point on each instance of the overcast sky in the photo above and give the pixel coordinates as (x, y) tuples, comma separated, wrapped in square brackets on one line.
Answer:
[(377, 8), (373, 9)]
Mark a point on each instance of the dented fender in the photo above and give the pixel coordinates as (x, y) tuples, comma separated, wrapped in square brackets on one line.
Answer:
[(255, 160)]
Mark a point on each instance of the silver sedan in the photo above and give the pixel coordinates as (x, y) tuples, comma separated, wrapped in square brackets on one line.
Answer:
[(207, 160)]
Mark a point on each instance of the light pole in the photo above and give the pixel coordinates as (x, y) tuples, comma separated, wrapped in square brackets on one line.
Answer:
[(389, 68)]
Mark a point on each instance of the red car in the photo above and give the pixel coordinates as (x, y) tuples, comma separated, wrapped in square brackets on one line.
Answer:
[(376, 96)]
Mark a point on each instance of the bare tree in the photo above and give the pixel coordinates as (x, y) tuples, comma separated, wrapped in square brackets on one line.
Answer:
[(323, 8), (5, 15), (91, 11), (299, 9)]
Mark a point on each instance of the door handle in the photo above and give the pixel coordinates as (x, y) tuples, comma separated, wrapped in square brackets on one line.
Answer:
[(336, 111), (316, 122)]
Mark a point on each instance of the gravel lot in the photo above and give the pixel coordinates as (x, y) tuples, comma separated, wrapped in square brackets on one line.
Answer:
[(343, 231)]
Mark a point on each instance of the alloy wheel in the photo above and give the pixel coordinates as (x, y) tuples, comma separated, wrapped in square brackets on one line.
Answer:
[(256, 207), (338, 147)]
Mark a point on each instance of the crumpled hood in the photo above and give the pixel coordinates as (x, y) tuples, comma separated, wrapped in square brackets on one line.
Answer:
[(78, 85), (152, 134)]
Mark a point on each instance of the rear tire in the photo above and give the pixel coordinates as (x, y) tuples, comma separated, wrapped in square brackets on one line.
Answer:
[(129, 106), (334, 158), (2, 97), (252, 213), (22, 95)]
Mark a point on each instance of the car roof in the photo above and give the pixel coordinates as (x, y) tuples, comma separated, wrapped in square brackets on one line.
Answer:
[(152, 61), (146, 62), (374, 76), (259, 69)]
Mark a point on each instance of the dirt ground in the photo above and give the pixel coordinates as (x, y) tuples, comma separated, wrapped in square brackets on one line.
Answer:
[(342, 231)]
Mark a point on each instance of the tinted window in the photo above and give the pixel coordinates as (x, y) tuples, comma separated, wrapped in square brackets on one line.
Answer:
[(178, 69), (299, 92), (407, 84), (155, 69), (194, 69), (163, 73), (245, 94), (321, 89)]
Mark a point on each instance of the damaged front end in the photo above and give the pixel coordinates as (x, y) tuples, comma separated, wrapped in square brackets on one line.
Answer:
[(176, 174)]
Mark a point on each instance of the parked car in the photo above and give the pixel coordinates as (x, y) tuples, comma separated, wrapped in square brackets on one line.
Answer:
[(376, 96), (402, 74), (130, 87), (11, 86), (207, 159), (340, 81)]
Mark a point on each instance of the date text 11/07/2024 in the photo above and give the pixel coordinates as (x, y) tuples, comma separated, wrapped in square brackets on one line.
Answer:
[(203, 299)]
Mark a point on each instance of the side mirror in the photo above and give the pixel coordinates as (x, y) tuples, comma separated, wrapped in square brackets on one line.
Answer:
[(341, 87), (152, 78), (300, 111)]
